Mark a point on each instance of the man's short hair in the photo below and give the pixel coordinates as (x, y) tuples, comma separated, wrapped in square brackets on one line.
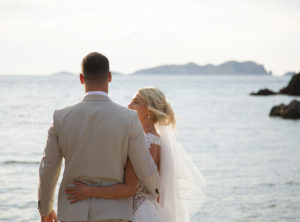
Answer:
[(95, 68)]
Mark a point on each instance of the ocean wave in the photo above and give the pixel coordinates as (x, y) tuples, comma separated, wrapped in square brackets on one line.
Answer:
[(291, 183), (267, 184), (15, 162)]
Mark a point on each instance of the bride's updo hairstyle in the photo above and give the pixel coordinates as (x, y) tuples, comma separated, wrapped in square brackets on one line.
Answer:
[(157, 104)]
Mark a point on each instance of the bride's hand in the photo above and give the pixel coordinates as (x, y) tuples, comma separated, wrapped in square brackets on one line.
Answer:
[(80, 192)]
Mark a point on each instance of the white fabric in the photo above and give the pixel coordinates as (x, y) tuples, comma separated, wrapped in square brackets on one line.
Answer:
[(148, 211), (101, 93), (182, 184), (142, 194), (152, 139)]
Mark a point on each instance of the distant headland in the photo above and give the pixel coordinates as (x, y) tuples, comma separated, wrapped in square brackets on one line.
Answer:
[(226, 68), (66, 73), (63, 73), (230, 68)]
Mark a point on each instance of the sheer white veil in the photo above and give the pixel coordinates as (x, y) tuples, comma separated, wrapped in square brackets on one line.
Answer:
[(182, 184)]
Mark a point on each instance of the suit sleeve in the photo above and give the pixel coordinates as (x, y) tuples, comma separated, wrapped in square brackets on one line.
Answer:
[(49, 171), (141, 159)]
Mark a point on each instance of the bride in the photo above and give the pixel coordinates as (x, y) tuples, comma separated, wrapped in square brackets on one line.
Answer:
[(181, 189)]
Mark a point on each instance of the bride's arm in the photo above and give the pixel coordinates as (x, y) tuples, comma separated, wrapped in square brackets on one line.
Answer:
[(127, 189)]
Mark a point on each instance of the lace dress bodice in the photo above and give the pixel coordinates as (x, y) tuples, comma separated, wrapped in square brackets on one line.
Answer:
[(141, 192)]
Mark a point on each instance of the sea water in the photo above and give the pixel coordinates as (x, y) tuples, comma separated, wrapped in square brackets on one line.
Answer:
[(251, 161)]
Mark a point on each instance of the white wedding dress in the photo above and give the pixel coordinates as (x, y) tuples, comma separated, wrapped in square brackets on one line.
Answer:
[(181, 184), (145, 207)]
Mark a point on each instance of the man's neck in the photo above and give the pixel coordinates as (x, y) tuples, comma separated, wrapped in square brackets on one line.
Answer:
[(90, 89)]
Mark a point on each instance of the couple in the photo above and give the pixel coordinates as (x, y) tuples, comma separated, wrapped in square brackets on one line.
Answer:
[(120, 165)]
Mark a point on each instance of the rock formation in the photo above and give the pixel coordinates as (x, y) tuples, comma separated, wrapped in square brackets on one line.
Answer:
[(290, 111), (293, 88), (263, 92), (227, 68)]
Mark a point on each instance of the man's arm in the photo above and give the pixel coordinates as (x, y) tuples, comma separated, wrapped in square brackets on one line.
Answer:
[(49, 171), (141, 159)]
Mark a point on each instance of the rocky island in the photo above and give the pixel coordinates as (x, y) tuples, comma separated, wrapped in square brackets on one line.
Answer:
[(63, 73), (66, 73), (292, 89), (230, 68), (290, 111)]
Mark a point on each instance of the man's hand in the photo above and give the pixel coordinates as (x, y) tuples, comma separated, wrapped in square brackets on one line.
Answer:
[(50, 218)]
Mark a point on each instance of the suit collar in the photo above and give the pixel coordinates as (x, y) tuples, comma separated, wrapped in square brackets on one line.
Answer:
[(95, 97), (97, 93)]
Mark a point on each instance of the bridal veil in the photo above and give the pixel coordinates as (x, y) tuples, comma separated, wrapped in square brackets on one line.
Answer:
[(182, 184)]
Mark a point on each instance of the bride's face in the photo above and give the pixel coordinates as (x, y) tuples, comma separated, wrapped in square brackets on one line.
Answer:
[(138, 104)]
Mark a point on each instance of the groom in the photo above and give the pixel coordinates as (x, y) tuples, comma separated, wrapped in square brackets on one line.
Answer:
[(94, 137)]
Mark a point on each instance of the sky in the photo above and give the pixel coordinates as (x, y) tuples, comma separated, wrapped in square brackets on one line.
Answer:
[(40, 37)]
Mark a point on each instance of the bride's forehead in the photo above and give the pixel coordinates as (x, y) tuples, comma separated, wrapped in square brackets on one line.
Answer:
[(136, 97)]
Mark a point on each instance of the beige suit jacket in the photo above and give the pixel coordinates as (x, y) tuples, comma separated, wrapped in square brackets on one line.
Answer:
[(94, 137)]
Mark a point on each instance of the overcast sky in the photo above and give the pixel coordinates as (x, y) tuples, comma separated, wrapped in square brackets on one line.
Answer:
[(46, 36)]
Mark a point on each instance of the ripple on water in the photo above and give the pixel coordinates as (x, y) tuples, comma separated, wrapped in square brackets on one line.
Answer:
[(18, 162), (292, 183), (267, 184)]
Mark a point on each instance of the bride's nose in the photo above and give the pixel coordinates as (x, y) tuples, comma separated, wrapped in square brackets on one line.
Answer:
[(130, 106)]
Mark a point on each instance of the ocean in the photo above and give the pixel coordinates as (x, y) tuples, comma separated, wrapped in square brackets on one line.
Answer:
[(251, 161)]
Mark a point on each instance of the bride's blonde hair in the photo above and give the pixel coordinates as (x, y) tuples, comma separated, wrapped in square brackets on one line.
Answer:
[(156, 103)]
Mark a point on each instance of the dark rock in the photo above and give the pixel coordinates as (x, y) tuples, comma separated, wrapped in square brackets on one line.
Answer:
[(277, 110), (290, 111), (263, 92), (293, 88)]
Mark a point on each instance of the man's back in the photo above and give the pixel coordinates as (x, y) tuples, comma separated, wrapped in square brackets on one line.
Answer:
[(89, 133), (93, 137)]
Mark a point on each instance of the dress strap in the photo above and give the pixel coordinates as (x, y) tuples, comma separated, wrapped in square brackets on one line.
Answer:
[(152, 139)]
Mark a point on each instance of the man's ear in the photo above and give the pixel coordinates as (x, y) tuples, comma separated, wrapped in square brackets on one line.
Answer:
[(81, 77), (109, 77)]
